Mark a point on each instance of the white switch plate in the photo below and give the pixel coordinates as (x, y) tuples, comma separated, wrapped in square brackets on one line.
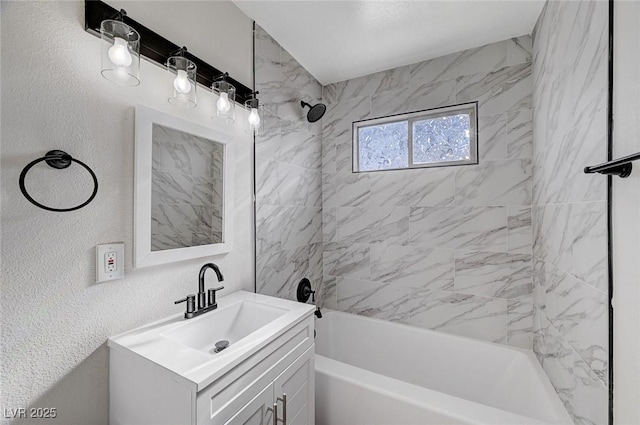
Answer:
[(109, 261)]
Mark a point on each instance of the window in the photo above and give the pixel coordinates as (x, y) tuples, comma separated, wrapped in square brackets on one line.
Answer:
[(431, 138)]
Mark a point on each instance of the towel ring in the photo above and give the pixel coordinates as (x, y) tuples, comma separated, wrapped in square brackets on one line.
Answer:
[(58, 160)]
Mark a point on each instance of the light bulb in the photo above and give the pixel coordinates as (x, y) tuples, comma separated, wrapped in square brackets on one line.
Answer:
[(181, 83), (254, 118), (119, 53), (223, 103)]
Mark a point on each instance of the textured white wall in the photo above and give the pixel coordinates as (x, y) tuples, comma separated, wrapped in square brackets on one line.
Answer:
[(626, 210), (55, 318)]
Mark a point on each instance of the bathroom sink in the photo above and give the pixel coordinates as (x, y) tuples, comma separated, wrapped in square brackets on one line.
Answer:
[(187, 347), (225, 326)]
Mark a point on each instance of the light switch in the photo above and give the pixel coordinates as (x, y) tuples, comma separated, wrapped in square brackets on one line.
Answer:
[(109, 261)]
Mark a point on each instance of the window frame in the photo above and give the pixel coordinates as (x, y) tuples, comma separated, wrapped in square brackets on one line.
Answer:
[(410, 118)]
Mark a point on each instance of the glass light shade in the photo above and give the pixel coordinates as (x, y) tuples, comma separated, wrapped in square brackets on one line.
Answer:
[(225, 104), (255, 116), (120, 53), (183, 84)]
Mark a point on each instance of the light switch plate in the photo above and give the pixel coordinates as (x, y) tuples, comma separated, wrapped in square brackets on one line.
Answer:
[(109, 261)]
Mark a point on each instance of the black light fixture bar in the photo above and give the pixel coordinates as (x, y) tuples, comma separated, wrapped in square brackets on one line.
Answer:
[(621, 167), (157, 48)]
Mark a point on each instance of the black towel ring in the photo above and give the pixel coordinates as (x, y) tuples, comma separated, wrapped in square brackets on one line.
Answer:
[(58, 160)]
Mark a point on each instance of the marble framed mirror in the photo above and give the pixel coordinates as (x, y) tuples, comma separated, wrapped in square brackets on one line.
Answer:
[(183, 199)]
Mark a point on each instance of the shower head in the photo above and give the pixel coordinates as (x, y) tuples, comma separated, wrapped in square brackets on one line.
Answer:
[(315, 111)]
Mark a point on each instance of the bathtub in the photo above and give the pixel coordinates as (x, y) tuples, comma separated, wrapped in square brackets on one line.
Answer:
[(374, 372)]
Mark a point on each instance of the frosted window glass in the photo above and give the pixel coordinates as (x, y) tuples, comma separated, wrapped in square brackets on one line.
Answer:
[(433, 138), (383, 147), (441, 139)]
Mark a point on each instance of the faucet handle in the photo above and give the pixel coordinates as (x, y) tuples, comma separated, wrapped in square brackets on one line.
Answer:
[(212, 295), (191, 303)]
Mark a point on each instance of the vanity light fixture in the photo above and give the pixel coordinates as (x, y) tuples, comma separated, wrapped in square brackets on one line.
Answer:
[(120, 51), (225, 106), (124, 45), (256, 113), (183, 86)]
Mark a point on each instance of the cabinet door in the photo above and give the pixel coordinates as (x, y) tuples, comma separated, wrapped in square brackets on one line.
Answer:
[(298, 383), (257, 412)]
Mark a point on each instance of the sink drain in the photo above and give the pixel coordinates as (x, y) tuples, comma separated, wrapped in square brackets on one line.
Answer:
[(221, 345)]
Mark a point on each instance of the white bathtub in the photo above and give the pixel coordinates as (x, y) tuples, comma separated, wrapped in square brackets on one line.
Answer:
[(374, 372)]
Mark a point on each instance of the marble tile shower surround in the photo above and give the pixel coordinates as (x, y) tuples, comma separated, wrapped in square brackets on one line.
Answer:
[(288, 174), (186, 190), (507, 251), (569, 212), (442, 248)]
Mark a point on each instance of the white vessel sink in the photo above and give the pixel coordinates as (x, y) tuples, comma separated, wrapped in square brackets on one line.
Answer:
[(231, 324), (186, 347)]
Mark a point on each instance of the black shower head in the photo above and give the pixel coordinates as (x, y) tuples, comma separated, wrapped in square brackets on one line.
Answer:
[(315, 112)]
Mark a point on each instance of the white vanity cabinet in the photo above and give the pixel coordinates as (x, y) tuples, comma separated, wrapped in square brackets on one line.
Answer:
[(290, 397), (156, 381)]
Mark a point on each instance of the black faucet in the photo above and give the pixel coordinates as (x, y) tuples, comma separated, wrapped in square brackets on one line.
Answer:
[(201, 294), (204, 303)]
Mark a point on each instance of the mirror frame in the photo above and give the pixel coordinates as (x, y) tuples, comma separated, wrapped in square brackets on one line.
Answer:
[(143, 255)]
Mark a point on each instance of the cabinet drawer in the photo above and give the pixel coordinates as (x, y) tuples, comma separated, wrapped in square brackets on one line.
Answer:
[(219, 401)]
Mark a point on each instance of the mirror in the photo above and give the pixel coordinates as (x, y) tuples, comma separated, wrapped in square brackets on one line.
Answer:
[(183, 196), (186, 189)]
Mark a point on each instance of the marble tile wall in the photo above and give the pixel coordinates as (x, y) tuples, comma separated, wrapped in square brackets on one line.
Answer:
[(442, 248), (187, 190), (288, 174), (569, 212)]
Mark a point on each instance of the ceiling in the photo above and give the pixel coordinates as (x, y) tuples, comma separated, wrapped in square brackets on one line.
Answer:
[(340, 40)]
